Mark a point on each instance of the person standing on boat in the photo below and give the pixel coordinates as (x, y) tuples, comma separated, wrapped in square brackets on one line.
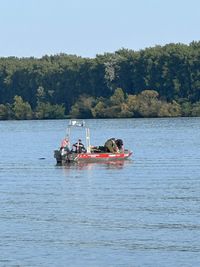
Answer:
[(79, 147), (64, 148)]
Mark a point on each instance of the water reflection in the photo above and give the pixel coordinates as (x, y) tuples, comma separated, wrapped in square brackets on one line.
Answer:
[(119, 164)]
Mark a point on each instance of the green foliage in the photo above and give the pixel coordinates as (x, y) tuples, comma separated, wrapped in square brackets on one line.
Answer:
[(118, 97), (145, 104), (41, 95), (196, 109), (5, 112), (99, 109), (49, 111), (110, 85), (186, 107), (83, 107), (22, 110)]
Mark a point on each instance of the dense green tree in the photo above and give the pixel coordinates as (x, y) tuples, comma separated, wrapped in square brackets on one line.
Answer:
[(196, 109), (83, 107), (99, 109), (173, 71), (186, 108), (22, 110), (118, 97), (4, 112), (49, 111)]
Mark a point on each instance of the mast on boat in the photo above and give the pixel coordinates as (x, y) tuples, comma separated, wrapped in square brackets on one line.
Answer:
[(79, 124)]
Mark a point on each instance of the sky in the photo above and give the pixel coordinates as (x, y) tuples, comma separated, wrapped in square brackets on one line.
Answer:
[(34, 28)]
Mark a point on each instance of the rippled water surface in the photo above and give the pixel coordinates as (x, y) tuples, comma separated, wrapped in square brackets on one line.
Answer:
[(141, 212)]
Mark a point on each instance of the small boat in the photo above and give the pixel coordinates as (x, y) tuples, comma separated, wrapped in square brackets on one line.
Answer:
[(78, 153)]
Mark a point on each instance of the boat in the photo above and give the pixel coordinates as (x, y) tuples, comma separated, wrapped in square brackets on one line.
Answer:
[(78, 153)]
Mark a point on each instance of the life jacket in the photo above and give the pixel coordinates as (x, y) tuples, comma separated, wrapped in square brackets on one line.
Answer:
[(64, 143), (79, 147)]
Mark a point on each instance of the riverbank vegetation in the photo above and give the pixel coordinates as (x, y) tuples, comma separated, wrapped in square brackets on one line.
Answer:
[(162, 81)]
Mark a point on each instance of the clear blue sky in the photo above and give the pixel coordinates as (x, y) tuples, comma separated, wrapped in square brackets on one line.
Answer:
[(90, 27)]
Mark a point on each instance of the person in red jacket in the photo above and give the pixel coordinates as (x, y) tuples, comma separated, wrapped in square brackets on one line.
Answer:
[(64, 148)]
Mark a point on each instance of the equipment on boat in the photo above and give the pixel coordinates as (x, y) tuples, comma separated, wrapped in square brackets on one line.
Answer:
[(79, 153)]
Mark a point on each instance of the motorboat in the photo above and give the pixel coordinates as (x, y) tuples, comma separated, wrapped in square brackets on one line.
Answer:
[(78, 153)]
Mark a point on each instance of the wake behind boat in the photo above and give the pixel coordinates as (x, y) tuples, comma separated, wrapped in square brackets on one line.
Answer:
[(111, 151)]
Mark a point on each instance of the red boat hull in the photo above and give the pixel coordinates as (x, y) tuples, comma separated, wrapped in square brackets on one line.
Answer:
[(102, 156), (91, 157)]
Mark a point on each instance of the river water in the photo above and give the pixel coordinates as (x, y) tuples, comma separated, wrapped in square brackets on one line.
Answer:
[(141, 212)]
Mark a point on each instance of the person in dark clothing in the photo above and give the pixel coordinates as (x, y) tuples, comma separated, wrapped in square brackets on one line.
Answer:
[(120, 144), (111, 146), (79, 147)]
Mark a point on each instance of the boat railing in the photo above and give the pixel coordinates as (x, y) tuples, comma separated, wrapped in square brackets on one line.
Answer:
[(73, 123), (76, 123)]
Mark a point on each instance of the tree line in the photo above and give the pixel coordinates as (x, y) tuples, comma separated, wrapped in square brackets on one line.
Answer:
[(161, 81)]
